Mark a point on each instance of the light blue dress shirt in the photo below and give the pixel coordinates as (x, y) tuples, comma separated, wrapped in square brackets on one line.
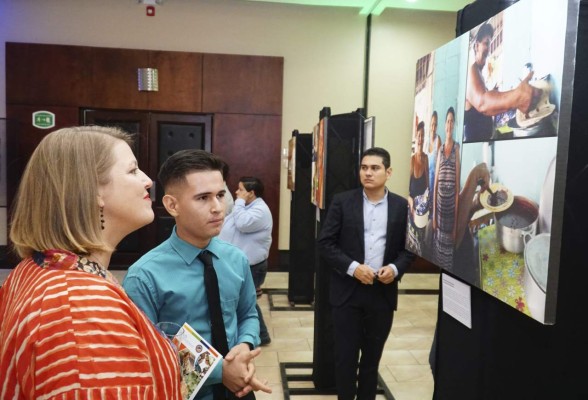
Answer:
[(249, 227), (375, 223), (167, 283)]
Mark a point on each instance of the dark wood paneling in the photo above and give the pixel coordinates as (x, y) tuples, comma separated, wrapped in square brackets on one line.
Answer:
[(243, 84), (28, 136), (251, 146), (114, 82), (244, 92), (24, 138), (180, 81), (47, 74), (101, 77)]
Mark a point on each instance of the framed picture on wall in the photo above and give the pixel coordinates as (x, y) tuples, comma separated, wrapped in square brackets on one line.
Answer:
[(319, 144), (313, 174)]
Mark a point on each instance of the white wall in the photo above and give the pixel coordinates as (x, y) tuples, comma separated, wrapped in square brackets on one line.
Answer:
[(323, 50), (399, 39)]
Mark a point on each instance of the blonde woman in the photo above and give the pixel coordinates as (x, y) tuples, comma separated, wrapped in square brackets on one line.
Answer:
[(68, 328)]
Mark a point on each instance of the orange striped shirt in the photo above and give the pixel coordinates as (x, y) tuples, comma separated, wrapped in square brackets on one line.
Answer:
[(68, 334)]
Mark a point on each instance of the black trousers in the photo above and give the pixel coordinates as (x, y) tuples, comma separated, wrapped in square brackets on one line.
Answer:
[(361, 326)]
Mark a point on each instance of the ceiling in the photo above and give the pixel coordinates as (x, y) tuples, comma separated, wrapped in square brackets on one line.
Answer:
[(375, 7)]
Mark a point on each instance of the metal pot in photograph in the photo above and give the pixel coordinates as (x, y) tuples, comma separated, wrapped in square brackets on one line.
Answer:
[(513, 224)]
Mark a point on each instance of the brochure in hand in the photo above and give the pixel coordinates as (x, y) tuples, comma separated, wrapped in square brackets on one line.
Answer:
[(197, 360)]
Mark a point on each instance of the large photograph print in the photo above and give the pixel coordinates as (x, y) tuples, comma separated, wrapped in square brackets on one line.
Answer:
[(319, 139), (483, 163)]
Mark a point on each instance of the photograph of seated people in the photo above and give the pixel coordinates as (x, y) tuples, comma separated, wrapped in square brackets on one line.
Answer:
[(249, 227), (172, 281), (483, 103), (68, 328)]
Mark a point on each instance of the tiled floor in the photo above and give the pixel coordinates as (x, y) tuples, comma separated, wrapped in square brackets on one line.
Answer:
[(404, 366)]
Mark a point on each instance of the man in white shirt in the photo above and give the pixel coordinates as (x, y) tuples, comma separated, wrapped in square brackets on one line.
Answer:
[(249, 227)]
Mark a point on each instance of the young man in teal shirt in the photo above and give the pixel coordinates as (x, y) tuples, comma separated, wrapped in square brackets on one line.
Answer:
[(167, 283)]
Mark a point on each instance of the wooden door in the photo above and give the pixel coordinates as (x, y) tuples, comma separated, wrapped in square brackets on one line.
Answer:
[(158, 135), (251, 146), (169, 133), (135, 122)]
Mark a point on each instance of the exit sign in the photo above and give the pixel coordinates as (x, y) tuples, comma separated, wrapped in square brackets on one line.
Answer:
[(43, 119)]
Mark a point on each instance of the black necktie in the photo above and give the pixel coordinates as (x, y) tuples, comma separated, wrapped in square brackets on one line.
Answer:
[(217, 325)]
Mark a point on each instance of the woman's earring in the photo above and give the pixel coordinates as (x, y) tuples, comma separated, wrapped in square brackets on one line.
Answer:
[(102, 218)]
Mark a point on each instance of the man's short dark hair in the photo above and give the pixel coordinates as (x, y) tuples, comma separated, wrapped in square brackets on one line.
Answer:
[(485, 30), (184, 162), (379, 152), (421, 126), (252, 183)]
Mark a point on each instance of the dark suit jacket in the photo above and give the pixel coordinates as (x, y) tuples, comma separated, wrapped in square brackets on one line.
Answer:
[(341, 241)]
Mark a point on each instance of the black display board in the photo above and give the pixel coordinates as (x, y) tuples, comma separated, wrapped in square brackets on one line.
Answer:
[(506, 355), (477, 12), (302, 224), (343, 147)]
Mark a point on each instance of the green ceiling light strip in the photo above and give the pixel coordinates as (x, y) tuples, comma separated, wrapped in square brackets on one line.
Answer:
[(379, 8), (368, 9), (376, 7)]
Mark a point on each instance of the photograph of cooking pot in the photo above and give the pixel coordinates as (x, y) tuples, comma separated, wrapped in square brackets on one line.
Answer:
[(540, 121), (515, 216), (515, 222), (514, 255)]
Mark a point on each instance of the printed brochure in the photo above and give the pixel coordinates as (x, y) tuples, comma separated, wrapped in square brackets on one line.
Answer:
[(197, 360)]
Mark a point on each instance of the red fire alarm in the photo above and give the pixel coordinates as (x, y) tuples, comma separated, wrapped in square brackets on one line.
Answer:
[(150, 10)]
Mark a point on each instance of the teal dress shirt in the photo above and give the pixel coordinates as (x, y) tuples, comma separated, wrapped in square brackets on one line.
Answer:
[(167, 283)]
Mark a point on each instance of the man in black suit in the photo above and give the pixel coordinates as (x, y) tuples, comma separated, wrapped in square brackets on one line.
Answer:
[(363, 241)]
